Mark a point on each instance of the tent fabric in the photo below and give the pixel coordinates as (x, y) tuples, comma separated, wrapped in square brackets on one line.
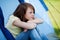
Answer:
[(44, 31), (54, 14), (2, 37), (6, 33), (21, 1), (42, 2), (1, 17)]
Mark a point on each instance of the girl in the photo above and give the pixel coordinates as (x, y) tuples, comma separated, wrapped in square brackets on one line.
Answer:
[(22, 19)]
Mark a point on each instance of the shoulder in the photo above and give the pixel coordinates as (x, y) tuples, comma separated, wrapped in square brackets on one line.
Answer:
[(12, 18)]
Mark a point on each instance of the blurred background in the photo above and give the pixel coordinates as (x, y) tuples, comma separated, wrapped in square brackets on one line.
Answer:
[(49, 10)]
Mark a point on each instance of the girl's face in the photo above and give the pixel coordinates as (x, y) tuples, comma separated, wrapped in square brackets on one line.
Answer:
[(29, 14)]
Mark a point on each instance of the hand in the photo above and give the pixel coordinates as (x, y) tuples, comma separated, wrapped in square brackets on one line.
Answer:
[(32, 24), (25, 30)]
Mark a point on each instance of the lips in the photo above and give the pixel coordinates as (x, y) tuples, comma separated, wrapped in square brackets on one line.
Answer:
[(32, 17)]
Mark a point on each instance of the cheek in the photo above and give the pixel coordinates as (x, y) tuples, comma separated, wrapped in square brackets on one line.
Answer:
[(26, 16), (29, 16)]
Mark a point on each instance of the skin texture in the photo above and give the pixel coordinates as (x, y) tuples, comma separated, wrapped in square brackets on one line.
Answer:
[(31, 23)]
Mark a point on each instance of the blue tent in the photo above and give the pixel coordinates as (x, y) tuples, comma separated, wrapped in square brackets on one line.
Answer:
[(44, 30)]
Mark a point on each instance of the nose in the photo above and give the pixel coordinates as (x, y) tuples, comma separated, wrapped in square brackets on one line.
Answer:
[(33, 14)]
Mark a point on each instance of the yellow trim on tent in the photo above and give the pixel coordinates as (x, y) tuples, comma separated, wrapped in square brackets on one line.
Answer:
[(54, 14)]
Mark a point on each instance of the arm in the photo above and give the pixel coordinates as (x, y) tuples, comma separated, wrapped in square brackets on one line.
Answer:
[(36, 20), (26, 25)]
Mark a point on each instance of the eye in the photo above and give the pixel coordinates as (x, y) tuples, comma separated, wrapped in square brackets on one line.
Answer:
[(30, 12)]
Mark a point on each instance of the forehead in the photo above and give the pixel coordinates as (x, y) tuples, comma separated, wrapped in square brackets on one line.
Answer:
[(29, 9)]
